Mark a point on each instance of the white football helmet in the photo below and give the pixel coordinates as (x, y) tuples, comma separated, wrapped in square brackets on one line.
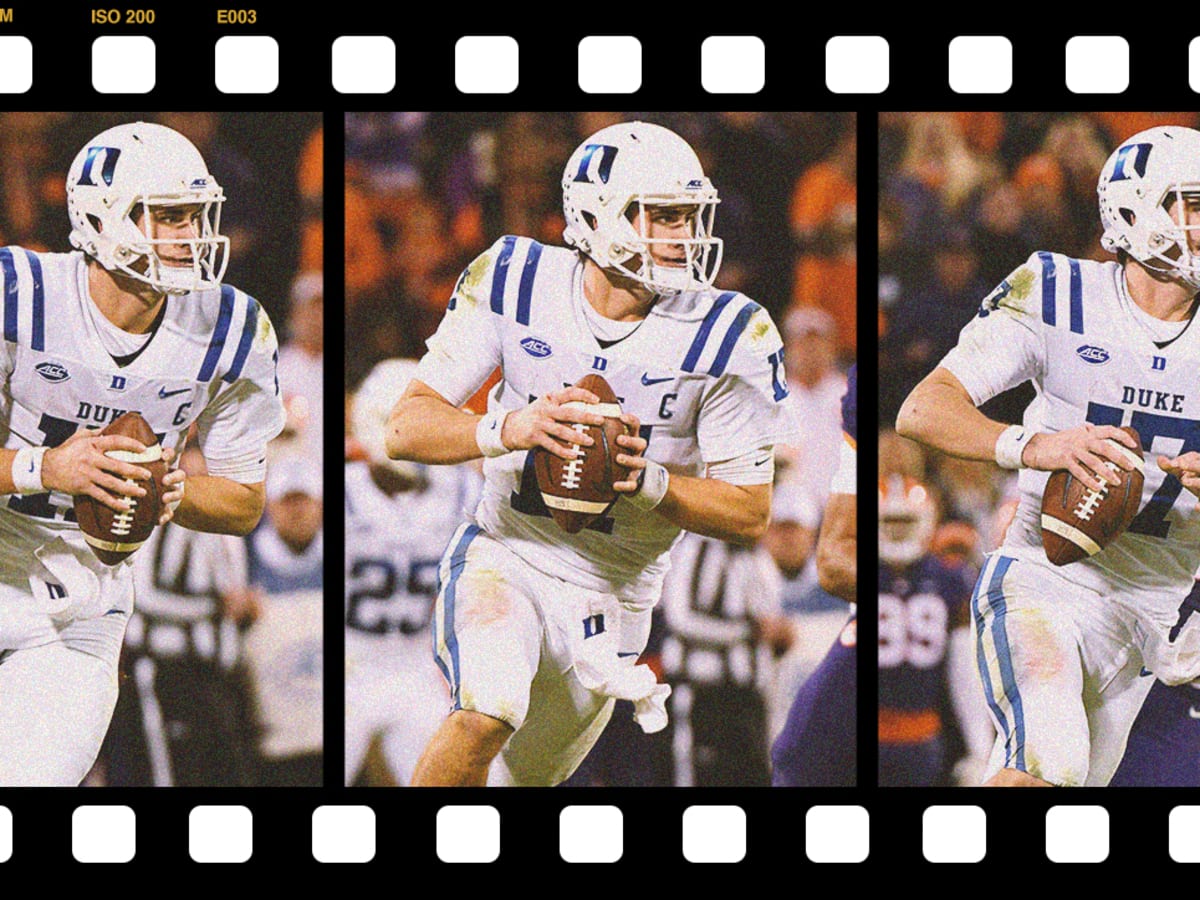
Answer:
[(613, 178), (373, 403), (1136, 186), (907, 516), (124, 173)]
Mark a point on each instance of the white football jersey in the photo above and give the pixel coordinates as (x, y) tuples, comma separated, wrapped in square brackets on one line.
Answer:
[(393, 546), (211, 361), (1070, 327), (703, 373)]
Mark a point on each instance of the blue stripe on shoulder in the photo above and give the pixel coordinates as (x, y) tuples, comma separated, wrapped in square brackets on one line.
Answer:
[(1048, 287), (220, 333), (500, 274), (39, 301), (525, 293), (1076, 297), (706, 327), (243, 350), (731, 337), (10, 294)]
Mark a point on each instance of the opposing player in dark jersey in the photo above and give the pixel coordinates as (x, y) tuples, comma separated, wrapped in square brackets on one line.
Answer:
[(923, 605), (817, 747), (1164, 744)]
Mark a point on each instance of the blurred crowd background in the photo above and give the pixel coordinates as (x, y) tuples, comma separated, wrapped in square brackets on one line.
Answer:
[(738, 629), (221, 671), (427, 192), (965, 198)]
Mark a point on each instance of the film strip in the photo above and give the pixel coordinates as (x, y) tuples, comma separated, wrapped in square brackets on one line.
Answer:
[(277, 79)]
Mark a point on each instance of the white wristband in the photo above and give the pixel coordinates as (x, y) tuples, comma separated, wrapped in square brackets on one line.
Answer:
[(487, 433), (652, 489), (1011, 444), (27, 470)]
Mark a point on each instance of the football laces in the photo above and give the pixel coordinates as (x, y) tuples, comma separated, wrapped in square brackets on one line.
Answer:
[(123, 521), (573, 469), (1091, 500)]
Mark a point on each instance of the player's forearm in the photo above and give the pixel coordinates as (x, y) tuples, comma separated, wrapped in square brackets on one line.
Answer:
[(429, 430), (6, 477), (837, 548), (212, 503), (708, 506), (940, 413)]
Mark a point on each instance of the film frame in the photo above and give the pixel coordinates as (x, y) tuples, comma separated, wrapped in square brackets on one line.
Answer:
[(1139, 823)]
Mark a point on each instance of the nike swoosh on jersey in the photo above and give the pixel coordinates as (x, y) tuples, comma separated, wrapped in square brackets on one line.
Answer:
[(647, 380), (761, 461), (1193, 712), (163, 393)]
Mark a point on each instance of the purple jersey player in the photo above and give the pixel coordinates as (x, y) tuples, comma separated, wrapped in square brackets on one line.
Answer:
[(817, 745), (922, 606), (1164, 745)]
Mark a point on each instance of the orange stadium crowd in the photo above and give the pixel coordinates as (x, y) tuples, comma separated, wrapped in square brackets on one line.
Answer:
[(965, 198)]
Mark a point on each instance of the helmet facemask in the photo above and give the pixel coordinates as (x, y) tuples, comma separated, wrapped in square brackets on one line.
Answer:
[(1170, 243), (907, 517), (632, 253), (135, 253)]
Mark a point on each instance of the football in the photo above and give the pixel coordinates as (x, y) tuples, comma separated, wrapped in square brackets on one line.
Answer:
[(115, 535), (578, 491), (1078, 522)]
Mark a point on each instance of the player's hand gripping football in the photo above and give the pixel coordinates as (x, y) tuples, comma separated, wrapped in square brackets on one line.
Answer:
[(173, 481), (547, 423), (632, 459), (1185, 467), (79, 466), (1082, 451)]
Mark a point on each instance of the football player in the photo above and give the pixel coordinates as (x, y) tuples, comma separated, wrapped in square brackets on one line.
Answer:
[(537, 630), (817, 746), (394, 691), (136, 319), (925, 648), (1105, 345)]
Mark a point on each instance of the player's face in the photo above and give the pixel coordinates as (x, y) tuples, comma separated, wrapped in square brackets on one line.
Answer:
[(1189, 216), (297, 517), (664, 223), (165, 223)]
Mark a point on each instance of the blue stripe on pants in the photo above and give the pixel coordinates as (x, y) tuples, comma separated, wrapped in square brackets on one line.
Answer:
[(988, 689), (1004, 657), (458, 561)]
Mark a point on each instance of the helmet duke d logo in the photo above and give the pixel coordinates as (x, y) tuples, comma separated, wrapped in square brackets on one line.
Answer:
[(607, 155), (111, 155), (1139, 153)]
